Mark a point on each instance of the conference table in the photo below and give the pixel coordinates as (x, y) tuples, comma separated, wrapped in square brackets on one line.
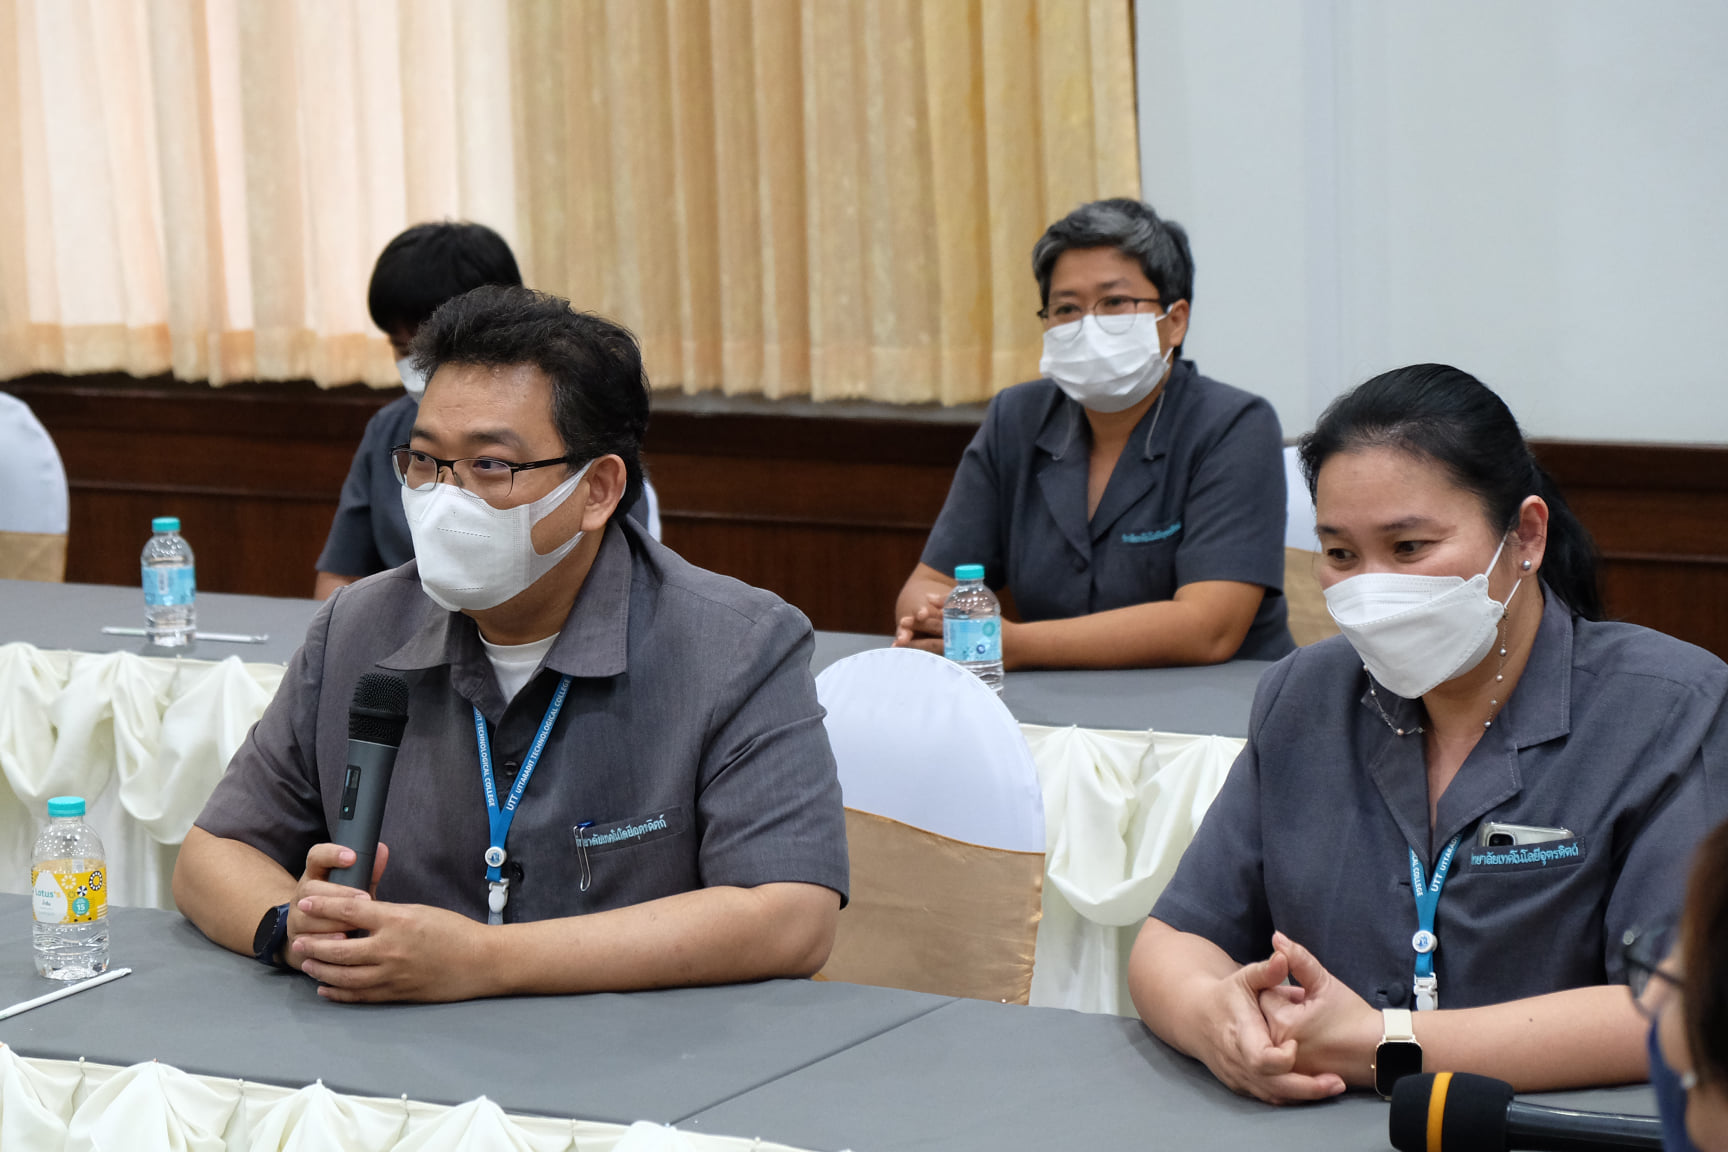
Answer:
[(801, 1064), (804, 1064), (71, 617), (1128, 760)]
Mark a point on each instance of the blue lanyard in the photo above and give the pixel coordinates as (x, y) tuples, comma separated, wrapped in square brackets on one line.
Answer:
[(1424, 941), (500, 819)]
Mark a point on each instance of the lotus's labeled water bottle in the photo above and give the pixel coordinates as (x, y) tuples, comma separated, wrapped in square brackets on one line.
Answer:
[(972, 626), (170, 589), (69, 895)]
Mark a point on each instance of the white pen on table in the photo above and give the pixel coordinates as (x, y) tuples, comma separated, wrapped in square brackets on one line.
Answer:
[(225, 637), (62, 993)]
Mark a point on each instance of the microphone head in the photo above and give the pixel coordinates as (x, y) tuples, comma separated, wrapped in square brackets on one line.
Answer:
[(1467, 1112), (379, 713)]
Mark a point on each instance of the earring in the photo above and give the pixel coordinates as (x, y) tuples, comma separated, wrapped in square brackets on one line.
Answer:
[(1526, 565)]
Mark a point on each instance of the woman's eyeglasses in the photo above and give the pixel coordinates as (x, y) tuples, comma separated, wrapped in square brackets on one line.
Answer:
[(1642, 952)]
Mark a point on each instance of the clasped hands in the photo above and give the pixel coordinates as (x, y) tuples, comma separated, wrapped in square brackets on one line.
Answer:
[(1284, 1043), (408, 952)]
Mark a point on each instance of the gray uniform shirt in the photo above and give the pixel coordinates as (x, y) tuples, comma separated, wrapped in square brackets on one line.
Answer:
[(691, 741), (1197, 494), (370, 532), (1616, 733)]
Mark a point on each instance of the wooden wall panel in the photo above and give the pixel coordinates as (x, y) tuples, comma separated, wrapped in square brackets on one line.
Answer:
[(844, 577), (252, 471), (827, 506), (1659, 515)]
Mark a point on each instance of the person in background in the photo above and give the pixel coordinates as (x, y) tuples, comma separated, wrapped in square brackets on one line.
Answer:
[(1446, 818), (1134, 508), (417, 271), (684, 824), (1684, 992)]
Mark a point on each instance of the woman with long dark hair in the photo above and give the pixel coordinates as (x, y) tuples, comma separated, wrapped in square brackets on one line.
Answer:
[(1446, 818)]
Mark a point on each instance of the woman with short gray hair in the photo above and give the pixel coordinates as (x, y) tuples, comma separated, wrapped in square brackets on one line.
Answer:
[(1134, 507)]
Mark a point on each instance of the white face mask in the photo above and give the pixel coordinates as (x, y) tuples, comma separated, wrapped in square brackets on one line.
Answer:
[(475, 556), (1417, 632), (412, 378), (1105, 371)]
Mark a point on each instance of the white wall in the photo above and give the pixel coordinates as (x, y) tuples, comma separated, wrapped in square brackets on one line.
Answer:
[(1535, 191)]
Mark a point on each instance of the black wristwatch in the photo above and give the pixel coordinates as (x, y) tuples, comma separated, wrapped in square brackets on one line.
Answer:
[(272, 934), (1399, 1055)]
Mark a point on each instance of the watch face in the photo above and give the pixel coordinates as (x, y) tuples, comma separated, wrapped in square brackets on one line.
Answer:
[(266, 930), (1393, 1060)]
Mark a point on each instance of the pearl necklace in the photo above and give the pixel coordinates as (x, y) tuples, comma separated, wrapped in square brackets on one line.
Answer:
[(1493, 704)]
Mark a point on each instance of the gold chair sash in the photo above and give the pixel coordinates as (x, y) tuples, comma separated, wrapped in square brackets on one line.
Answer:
[(1309, 620), (937, 915), (33, 556)]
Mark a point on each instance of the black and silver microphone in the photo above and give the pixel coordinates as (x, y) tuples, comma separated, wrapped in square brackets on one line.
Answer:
[(1456, 1111), (376, 721)]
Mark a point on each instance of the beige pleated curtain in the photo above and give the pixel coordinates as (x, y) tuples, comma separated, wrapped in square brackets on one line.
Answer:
[(789, 197)]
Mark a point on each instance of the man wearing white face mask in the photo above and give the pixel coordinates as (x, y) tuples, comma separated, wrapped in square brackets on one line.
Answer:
[(417, 271), (614, 773), (1133, 507)]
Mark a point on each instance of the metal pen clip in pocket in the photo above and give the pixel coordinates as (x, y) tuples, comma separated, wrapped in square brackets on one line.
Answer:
[(582, 851)]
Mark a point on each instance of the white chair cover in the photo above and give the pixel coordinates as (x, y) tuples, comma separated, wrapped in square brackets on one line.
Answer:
[(921, 740), (33, 495), (1298, 506)]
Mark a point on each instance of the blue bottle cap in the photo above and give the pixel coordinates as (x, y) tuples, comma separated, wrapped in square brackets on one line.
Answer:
[(165, 524), (66, 806), (969, 572)]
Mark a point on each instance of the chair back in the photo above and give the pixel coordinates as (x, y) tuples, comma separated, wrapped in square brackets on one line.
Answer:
[(34, 501), (1309, 619), (945, 826)]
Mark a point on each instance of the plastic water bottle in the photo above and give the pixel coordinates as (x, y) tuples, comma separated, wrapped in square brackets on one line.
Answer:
[(170, 589), (972, 626), (69, 895)]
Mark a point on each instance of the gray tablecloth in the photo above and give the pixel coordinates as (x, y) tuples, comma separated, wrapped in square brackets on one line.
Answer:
[(816, 1065), (1212, 701), (978, 1077), (72, 616), (658, 1056)]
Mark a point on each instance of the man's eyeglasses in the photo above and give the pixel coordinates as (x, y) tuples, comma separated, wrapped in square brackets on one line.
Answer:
[(486, 476), (1643, 952), (1115, 314)]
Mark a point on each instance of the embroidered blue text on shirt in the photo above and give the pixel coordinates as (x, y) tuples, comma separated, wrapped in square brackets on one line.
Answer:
[(1527, 854), (1149, 537), (627, 832)]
